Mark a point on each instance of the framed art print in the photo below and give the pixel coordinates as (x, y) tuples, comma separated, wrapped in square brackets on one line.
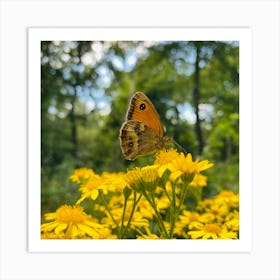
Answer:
[(139, 139)]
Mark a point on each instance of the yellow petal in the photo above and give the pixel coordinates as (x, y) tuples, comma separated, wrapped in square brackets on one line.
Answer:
[(175, 175), (94, 194), (162, 169)]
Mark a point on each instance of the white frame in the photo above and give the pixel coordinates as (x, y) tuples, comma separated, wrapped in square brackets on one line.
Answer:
[(243, 35), (262, 16)]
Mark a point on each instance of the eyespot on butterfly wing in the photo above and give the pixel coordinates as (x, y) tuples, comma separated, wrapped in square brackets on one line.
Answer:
[(142, 132), (137, 139)]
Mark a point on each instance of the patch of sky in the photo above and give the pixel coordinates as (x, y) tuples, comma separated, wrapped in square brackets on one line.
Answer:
[(184, 60), (202, 63), (89, 59), (118, 62), (232, 43), (65, 57), (80, 68), (97, 100), (66, 73), (98, 50), (206, 111), (127, 63), (105, 76), (186, 112), (183, 68), (52, 110), (90, 106)]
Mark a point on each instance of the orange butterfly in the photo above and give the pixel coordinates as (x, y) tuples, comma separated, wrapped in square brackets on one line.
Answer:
[(142, 133)]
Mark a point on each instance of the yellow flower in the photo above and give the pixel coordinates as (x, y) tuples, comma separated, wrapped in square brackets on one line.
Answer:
[(133, 176), (184, 165), (232, 221), (150, 173), (228, 197), (116, 210), (71, 222), (168, 188), (188, 217), (219, 211), (165, 157), (162, 203), (204, 204), (91, 188), (211, 231), (199, 180), (179, 164), (233, 224), (141, 179), (113, 182), (149, 235), (205, 218), (145, 209), (81, 175), (52, 235)]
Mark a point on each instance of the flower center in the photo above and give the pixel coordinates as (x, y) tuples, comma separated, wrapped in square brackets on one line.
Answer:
[(70, 214), (212, 228)]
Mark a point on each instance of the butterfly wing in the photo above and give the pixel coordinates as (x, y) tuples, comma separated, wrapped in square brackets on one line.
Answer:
[(138, 139), (142, 110)]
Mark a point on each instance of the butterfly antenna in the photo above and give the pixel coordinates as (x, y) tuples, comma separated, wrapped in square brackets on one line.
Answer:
[(179, 146)]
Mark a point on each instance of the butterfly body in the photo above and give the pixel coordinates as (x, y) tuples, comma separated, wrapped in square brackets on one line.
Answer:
[(142, 133)]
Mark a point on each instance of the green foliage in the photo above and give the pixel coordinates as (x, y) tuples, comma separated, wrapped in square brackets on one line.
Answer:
[(223, 142), (56, 188), (222, 176), (85, 90)]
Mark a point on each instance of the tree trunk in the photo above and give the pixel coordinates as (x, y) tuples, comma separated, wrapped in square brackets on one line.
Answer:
[(74, 134), (72, 113), (196, 99)]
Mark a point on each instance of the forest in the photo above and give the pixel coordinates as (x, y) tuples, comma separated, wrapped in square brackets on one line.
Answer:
[(85, 91)]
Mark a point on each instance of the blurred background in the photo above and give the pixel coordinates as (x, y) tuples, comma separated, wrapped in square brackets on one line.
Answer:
[(85, 91)]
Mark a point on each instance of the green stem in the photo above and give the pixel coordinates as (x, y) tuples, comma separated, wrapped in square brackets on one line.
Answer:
[(158, 216), (182, 199), (123, 215), (172, 211), (135, 202), (168, 196), (177, 211), (107, 208)]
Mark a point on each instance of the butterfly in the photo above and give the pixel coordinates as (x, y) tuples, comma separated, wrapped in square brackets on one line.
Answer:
[(142, 133)]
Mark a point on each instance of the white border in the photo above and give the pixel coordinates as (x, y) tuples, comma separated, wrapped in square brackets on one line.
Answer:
[(262, 16), (243, 35)]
